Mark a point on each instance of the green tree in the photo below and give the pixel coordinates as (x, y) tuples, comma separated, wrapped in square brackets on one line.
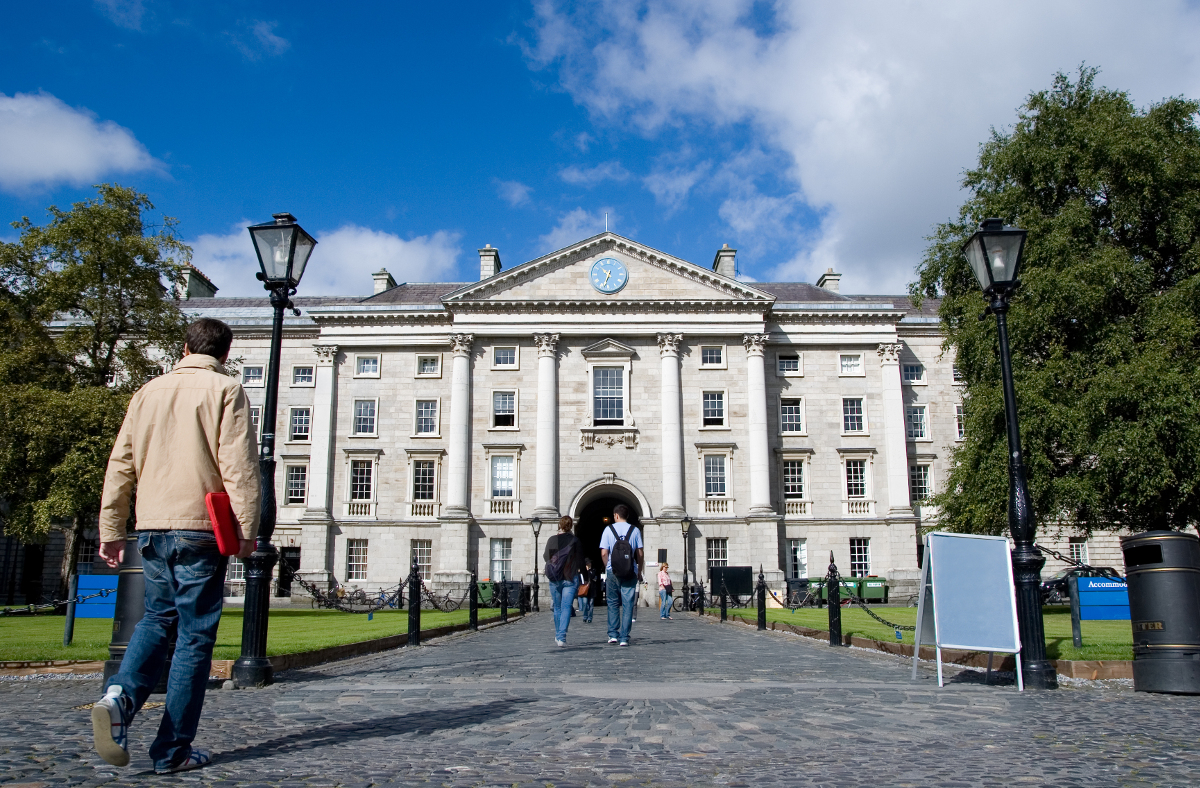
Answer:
[(1105, 328)]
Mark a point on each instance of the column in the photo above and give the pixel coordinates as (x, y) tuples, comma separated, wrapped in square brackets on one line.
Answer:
[(672, 427), (458, 501), (894, 435), (546, 495), (315, 539), (756, 391)]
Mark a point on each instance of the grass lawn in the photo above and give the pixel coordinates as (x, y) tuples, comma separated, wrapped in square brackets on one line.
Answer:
[(290, 631), (1101, 639)]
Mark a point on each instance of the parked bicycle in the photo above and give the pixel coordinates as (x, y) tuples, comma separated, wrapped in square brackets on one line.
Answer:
[(692, 599)]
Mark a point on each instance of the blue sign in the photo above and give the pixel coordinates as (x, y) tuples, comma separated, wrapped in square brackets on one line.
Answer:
[(101, 606), (1103, 599)]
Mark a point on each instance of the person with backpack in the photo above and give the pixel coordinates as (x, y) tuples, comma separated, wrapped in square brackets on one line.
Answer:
[(621, 551), (562, 557)]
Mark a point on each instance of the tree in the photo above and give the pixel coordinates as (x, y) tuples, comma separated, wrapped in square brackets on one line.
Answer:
[(1105, 328)]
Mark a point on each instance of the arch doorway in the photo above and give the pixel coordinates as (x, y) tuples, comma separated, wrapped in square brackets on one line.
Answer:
[(590, 525)]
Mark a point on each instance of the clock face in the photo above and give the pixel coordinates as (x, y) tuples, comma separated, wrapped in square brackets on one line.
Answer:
[(609, 275)]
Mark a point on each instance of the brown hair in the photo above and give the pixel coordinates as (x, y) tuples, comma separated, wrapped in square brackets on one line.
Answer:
[(565, 523), (208, 337)]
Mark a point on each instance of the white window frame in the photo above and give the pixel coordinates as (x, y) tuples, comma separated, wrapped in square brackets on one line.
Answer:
[(492, 560), (862, 364), (260, 382), (794, 373), (724, 362), (724, 425), (437, 357), (366, 555), (516, 349), (924, 408), (287, 498), (956, 375), (309, 384), (291, 412), (716, 541), (928, 466), (256, 423), (617, 355), (803, 416), (437, 426), (797, 547), (424, 509), (865, 542), (960, 423), (715, 506), (1077, 548), (354, 418), (425, 569), (361, 509), (503, 506), (378, 365), (801, 507), (921, 381), (516, 425), (864, 506), (866, 424)]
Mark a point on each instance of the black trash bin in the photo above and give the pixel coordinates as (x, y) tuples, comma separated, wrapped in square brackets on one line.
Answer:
[(1163, 574)]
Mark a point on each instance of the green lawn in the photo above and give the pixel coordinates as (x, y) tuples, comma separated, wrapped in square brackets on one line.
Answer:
[(290, 631), (1101, 639)]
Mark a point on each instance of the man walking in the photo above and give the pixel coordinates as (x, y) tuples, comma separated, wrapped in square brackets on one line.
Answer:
[(621, 551), (186, 434)]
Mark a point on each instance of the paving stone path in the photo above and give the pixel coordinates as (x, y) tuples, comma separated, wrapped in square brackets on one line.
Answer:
[(691, 702)]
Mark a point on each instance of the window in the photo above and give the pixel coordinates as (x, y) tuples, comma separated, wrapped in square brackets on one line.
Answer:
[(714, 409), (913, 373), (252, 377), (255, 415), (851, 365), (296, 484), (362, 481), (918, 482), (302, 376), (504, 358), (366, 366), (364, 417), (793, 478), (791, 415), (1077, 549), (86, 556), (860, 557), (960, 422), (301, 422), (422, 555), (958, 374), (852, 415), (427, 417), (608, 401), (712, 356), (236, 573), (429, 366), (502, 477), (856, 478), (797, 555), (788, 364), (916, 421), (718, 552), (423, 472), (714, 476), (504, 409), (501, 559), (356, 559), (110, 379)]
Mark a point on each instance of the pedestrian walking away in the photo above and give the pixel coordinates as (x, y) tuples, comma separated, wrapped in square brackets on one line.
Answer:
[(622, 554), (563, 561), (589, 585), (665, 590), (186, 434)]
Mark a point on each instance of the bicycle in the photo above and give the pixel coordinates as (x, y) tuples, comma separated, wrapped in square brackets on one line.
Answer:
[(690, 600)]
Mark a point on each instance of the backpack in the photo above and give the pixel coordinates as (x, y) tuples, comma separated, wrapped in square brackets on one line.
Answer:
[(621, 557), (561, 565)]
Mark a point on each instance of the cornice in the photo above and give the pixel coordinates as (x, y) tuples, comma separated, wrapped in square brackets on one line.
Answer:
[(589, 307), (857, 316), (398, 317)]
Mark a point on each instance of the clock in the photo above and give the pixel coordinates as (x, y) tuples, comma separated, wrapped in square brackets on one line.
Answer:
[(608, 275)]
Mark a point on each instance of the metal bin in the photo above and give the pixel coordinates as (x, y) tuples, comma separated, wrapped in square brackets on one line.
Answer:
[(1163, 574), (873, 589)]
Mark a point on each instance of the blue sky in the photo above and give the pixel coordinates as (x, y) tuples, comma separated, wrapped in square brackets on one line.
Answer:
[(410, 134)]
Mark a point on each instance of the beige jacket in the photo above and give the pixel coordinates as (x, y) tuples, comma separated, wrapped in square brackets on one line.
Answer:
[(186, 434)]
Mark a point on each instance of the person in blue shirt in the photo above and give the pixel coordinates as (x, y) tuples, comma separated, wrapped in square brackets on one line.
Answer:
[(620, 592)]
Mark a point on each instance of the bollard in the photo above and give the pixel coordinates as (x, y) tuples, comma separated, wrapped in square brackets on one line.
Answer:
[(130, 607), (473, 609), (834, 592), (1076, 632), (503, 601), (69, 624), (762, 599), (699, 590), (414, 604), (724, 601)]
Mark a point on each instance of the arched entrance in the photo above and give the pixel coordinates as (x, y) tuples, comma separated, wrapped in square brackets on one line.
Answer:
[(594, 518)]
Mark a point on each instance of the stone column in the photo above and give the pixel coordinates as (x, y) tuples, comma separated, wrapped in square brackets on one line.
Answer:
[(894, 434), (458, 501), (756, 391), (316, 543), (546, 495), (672, 427)]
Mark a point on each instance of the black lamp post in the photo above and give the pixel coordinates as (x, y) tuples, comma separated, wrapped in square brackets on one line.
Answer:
[(536, 524), (283, 249), (994, 253), (685, 525)]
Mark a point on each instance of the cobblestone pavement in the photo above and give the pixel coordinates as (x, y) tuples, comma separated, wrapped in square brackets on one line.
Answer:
[(692, 702)]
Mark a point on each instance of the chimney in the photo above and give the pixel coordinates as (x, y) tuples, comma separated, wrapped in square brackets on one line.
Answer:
[(489, 262), (383, 281), (196, 284), (725, 263), (830, 281)]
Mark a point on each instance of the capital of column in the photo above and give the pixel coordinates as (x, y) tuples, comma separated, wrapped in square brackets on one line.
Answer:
[(668, 344), (756, 344), (547, 344), (889, 352), (325, 353), (461, 344)]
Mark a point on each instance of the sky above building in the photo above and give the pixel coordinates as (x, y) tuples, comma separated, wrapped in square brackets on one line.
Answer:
[(407, 135)]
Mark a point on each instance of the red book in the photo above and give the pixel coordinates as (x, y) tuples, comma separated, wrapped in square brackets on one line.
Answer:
[(224, 523)]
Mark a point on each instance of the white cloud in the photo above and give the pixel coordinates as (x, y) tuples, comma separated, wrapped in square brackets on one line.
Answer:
[(575, 226), (341, 264), (514, 193), (605, 171), (258, 40), (876, 108), (125, 13), (671, 186), (43, 142)]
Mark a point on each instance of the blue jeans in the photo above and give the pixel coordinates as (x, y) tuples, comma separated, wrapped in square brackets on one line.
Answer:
[(664, 603), (185, 578), (586, 608), (562, 593), (619, 596)]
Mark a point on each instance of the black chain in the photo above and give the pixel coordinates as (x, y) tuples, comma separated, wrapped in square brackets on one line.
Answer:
[(9, 611), (837, 578), (1103, 570), (333, 601)]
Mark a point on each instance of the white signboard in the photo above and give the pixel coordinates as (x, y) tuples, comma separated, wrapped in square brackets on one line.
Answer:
[(968, 599)]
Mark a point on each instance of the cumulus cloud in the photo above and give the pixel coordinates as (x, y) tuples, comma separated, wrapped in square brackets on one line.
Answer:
[(671, 185), (124, 13), (876, 109), (591, 176), (514, 193), (258, 39), (575, 226), (342, 263), (44, 142)]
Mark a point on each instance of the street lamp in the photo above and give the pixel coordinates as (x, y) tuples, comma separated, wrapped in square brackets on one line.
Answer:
[(283, 249), (994, 253), (685, 525), (536, 523)]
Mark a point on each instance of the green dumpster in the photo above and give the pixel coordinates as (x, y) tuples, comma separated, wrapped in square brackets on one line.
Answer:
[(849, 588), (874, 589), (487, 592)]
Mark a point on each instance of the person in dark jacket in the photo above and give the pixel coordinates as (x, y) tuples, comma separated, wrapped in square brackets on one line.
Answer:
[(587, 600), (562, 592)]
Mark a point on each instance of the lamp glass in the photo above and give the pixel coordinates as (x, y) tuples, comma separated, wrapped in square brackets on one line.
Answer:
[(537, 525), (685, 525), (994, 253), (273, 243)]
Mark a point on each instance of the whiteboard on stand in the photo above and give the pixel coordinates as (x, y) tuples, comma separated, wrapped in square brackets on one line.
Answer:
[(967, 598)]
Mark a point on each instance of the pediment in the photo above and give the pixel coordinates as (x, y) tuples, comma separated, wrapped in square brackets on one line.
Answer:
[(608, 350), (564, 276)]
